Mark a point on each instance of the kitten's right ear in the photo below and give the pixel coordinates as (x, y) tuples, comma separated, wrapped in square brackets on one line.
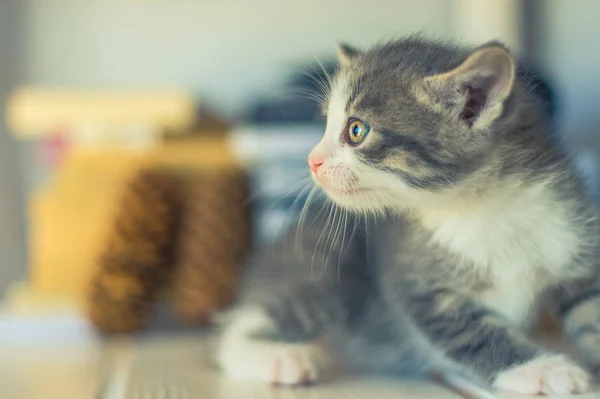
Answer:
[(346, 53), (475, 91)]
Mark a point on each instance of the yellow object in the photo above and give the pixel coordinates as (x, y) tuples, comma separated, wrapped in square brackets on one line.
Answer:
[(34, 113), (70, 218)]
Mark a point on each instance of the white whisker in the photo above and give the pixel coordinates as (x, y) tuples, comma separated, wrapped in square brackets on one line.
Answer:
[(312, 261), (302, 218), (332, 229), (342, 245), (329, 82)]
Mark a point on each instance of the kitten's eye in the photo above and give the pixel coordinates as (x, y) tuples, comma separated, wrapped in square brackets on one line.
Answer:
[(357, 131)]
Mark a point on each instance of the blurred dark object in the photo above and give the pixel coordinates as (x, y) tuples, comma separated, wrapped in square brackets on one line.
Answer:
[(544, 90), (214, 238), (139, 255), (540, 86), (296, 102), (180, 234)]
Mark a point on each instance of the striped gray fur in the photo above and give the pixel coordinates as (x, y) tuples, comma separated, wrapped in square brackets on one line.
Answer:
[(477, 221), (297, 279)]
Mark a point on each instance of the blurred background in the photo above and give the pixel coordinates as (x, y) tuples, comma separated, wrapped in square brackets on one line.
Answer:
[(216, 96)]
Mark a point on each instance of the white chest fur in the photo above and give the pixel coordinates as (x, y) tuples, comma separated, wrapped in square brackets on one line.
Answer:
[(523, 241)]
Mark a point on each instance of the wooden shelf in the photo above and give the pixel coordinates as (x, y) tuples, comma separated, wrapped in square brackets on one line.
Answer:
[(37, 112)]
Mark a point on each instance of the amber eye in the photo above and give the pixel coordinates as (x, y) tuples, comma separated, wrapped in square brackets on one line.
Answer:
[(357, 131)]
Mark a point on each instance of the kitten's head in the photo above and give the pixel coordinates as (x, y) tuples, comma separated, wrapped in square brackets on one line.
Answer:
[(410, 120)]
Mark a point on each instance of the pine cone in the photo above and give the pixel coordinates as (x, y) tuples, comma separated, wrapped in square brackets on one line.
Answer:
[(139, 254), (119, 303), (214, 238)]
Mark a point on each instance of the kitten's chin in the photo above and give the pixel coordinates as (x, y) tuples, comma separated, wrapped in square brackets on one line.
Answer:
[(369, 200), (357, 199), (344, 198)]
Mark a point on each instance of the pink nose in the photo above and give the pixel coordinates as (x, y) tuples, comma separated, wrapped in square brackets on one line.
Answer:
[(314, 162)]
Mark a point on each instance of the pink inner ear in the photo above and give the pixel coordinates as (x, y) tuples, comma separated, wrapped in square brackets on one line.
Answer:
[(476, 98)]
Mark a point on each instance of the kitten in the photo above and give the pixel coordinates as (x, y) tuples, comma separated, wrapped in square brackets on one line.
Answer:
[(482, 223)]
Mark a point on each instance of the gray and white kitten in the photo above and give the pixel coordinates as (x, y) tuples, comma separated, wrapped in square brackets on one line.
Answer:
[(483, 223)]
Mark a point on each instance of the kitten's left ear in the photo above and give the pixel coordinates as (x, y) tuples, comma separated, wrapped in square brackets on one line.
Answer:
[(475, 91), (346, 53)]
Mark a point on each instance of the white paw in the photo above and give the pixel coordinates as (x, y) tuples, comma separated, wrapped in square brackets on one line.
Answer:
[(555, 374), (242, 357)]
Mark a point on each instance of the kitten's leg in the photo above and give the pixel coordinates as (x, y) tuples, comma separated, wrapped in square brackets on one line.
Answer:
[(291, 297), (578, 307), (275, 337), (488, 347)]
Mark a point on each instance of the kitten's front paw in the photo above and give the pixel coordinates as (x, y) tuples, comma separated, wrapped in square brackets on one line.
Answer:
[(273, 362), (245, 357), (554, 374)]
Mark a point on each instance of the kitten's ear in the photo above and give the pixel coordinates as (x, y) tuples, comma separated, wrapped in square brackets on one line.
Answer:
[(346, 53), (475, 91)]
